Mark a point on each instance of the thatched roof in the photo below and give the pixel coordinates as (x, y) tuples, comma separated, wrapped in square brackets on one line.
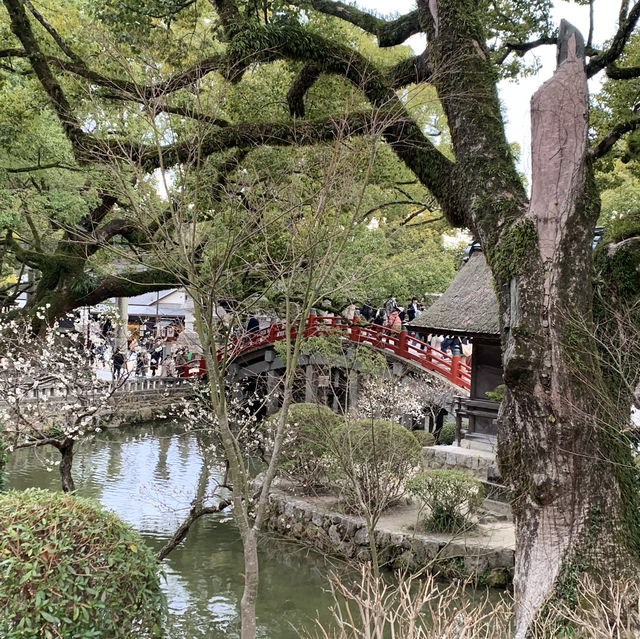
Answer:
[(468, 307)]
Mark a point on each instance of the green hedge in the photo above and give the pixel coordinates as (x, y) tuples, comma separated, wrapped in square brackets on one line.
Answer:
[(447, 434), (371, 462), (451, 497), (68, 568), (424, 437), (303, 454)]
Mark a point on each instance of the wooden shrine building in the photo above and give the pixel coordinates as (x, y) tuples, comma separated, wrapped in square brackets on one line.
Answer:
[(469, 308)]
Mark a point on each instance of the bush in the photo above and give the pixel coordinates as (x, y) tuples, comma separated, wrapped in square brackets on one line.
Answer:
[(447, 434), (68, 568), (303, 454), (451, 497), (371, 462), (424, 437)]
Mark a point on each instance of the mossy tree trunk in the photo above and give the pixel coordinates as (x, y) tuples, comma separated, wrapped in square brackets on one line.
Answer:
[(562, 453), (571, 476)]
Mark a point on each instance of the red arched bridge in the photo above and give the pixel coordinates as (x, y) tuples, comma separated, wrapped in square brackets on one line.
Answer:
[(400, 343)]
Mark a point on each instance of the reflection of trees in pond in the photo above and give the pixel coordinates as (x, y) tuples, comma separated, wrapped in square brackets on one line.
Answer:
[(161, 470)]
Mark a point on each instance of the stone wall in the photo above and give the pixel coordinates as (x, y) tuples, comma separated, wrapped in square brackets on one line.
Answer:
[(346, 536)]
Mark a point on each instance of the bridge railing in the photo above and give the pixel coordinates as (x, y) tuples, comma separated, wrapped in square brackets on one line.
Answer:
[(400, 343), (52, 393)]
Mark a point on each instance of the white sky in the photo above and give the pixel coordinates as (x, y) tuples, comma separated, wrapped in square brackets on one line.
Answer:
[(516, 95)]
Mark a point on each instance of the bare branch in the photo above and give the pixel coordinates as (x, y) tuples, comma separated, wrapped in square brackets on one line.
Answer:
[(197, 511), (612, 137), (625, 29), (40, 167), (520, 48)]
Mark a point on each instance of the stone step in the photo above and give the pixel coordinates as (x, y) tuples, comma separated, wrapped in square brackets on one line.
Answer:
[(475, 462), (477, 441)]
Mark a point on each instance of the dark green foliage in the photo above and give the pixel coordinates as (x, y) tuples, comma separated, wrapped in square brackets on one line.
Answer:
[(68, 568), (303, 455), (451, 496), (424, 437), (371, 462), (447, 434)]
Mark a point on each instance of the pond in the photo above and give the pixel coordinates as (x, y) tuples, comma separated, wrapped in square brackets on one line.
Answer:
[(149, 475)]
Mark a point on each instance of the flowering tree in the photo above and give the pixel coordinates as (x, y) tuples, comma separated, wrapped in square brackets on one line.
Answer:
[(50, 393), (413, 396)]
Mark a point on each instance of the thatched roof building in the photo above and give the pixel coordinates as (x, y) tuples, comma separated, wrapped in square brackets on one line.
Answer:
[(468, 307)]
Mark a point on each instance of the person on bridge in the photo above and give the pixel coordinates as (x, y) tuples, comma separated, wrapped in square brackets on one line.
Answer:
[(253, 325), (393, 319), (118, 363)]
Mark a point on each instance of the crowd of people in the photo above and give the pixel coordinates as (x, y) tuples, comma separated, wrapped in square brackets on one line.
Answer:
[(393, 316)]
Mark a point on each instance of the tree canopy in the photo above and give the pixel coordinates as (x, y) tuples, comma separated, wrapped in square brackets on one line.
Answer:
[(237, 90)]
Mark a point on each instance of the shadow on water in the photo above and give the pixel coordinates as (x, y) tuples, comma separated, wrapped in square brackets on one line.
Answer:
[(149, 475)]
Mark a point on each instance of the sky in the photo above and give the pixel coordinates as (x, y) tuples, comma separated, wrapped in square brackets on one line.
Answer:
[(516, 95)]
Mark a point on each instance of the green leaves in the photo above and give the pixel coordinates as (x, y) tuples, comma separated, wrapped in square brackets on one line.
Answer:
[(70, 569)]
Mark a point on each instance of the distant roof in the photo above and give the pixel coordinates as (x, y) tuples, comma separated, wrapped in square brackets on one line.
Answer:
[(149, 299), (162, 310), (468, 307)]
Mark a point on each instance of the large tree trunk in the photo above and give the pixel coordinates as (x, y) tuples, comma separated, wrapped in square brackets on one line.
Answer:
[(572, 478)]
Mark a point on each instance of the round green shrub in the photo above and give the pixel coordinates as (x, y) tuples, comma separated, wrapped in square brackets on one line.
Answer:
[(447, 434), (425, 438), (371, 460), (68, 568), (303, 453), (451, 496)]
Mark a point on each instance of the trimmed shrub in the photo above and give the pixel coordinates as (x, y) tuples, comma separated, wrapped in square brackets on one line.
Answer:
[(447, 434), (451, 496), (425, 438), (371, 462), (68, 568), (303, 453)]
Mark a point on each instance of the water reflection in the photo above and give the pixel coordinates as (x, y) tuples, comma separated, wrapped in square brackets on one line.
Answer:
[(149, 477)]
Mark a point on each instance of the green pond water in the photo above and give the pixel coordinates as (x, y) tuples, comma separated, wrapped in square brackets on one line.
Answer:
[(149, 477)]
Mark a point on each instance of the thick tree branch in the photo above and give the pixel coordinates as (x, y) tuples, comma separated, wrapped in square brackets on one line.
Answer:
[(622, 73), (52, 32), (612, 137), (145, 92), (411, 71), (130, 285), (303, 82), (241, 136), (625, 29), (21, 28), (520, 48), (388, 33)]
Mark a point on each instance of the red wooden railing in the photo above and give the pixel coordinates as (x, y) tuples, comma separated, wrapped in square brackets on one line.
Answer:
[(400, 343)]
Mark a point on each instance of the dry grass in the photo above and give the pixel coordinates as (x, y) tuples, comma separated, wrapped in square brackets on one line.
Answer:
[(420, 607)]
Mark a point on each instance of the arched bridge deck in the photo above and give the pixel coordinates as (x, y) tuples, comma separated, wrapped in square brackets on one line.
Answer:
[(400, 344)]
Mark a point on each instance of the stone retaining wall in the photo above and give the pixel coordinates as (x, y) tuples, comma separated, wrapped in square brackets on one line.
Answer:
[(479, 465), (346, 536)]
